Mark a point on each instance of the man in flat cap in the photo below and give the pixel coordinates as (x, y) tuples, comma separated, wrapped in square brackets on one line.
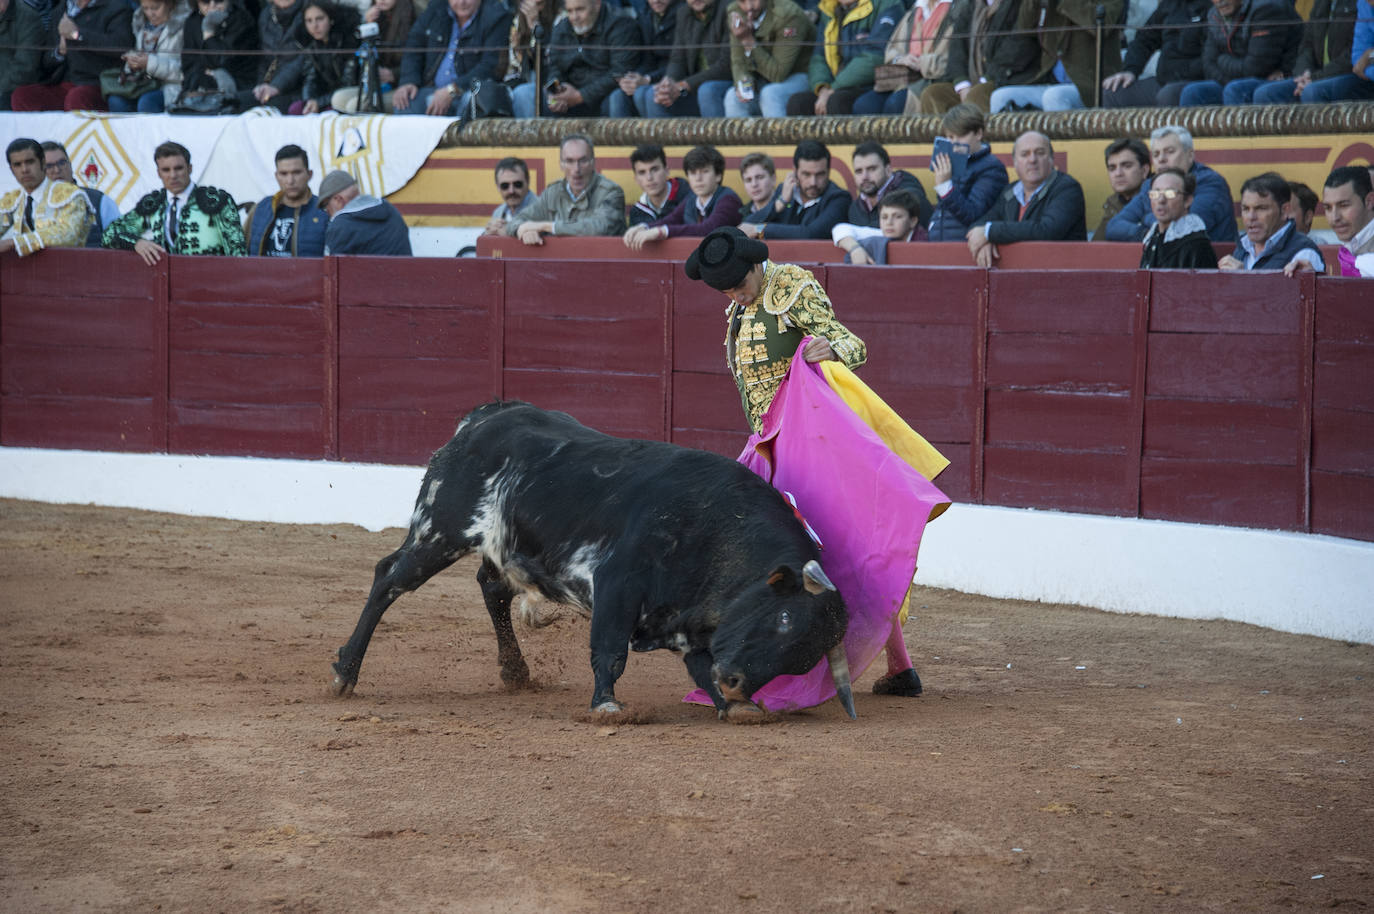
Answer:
[(360, 223)]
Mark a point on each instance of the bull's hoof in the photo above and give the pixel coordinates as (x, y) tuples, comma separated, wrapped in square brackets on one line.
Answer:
[(743, 712), (341, 687), (516, 675), (906, 684), (608, 707)]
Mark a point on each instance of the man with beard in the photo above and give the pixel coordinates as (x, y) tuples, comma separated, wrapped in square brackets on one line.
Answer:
[(809, 205), (513, 183), (290, 223)]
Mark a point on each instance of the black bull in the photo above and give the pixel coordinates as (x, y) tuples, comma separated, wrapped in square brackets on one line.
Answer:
[(665, 547)]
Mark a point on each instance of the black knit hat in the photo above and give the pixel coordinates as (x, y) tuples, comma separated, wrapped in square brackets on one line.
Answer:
[(725, 257)]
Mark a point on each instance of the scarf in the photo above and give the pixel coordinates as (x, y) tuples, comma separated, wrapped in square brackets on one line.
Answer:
[(833, 24)]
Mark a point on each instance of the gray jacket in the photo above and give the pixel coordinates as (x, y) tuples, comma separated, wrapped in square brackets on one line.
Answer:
[(599, 211)]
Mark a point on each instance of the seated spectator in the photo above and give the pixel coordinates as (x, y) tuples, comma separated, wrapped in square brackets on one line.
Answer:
[(1247, 43), (291, 222), (921, 44), (23, 35), (360, 223), (592, 46), (280, 69), (760, 178), (1128, 167), (395, 19), (328, 36), (876, 179), (58, 166), (1175, 30), (1302, 206), (513, 183), (965, 196), (1044, 205), (1328, 66), (1178, 239), (1072, 55), (1271, 240), (809, 204), (710, 206), (898, 220), (454, 44), (657, 20), (531, 26), (987, 51), (1348, 198), (770, 56), (699, 70), (158, 35), (849, 44), (90, 36), (184, 217), (1172, 147), (585, 202), (40, 213), (661, 192)]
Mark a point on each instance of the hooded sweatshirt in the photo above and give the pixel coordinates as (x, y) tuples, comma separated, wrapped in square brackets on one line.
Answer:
[(367, 225)]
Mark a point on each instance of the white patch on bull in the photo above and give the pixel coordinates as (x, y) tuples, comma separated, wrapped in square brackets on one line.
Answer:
[(489, 525), (679, 643), (581, 570), (431, 492)]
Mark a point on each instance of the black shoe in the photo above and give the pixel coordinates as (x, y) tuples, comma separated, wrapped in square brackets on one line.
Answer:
[(905, 683)]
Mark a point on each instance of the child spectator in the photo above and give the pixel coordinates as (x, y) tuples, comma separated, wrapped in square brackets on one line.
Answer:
[(899, 219), (760, 178), (709, 207), (965, 196)]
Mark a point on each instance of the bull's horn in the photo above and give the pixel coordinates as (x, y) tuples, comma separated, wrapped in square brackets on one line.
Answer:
[(814, 579), (839, 671)]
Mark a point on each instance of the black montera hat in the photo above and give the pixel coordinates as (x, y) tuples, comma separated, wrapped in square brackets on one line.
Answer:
[(725, 257)]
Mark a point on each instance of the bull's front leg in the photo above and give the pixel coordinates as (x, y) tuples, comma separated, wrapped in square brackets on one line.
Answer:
[(612, 625), (699, 665), (498, 593)]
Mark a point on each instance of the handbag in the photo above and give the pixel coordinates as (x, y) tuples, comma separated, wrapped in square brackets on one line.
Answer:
[(126, 83), (889, 77), (489, 98), (205, 103)]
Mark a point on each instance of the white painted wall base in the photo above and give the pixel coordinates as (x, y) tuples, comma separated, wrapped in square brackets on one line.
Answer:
[(1315, 585)]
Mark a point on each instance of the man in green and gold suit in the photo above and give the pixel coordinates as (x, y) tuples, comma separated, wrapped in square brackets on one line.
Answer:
[(182, 218)]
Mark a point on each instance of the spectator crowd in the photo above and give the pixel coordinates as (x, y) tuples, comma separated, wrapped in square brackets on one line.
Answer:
[(679, 58), (1162, 197)]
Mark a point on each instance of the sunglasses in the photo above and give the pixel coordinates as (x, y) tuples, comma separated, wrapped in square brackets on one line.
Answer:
[(1167, 193), (57, 164), (507, 185)]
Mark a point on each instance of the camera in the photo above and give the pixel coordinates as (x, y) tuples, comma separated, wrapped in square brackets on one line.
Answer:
[(369, 30), (553, 87)]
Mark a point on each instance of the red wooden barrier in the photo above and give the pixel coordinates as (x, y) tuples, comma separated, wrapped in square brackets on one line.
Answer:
[(1189, 396)]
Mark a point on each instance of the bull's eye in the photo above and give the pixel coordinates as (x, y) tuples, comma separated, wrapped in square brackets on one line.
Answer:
[(784, 621)]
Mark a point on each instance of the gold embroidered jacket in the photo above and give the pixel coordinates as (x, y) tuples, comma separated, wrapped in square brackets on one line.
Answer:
[(61, 217), (763, 335)]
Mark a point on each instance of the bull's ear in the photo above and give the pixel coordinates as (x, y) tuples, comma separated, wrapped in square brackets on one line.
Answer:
[(814, 579), (783, 579)]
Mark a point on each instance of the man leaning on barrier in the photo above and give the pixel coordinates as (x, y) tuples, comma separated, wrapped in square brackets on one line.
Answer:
[(585, 202)]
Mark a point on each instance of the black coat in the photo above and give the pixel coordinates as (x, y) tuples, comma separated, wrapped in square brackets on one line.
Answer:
[(1176, 29), (1056, 213), (1263, 36), (102, 24), (656, 34), (200, 55), (1193, 251), (1011, 58), (330, 65), (592, 63)]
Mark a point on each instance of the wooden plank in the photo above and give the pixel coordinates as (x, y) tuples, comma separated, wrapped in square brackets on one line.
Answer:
[(1303, 355), (1343, 441), (279, 281), (248, 328), (708, 402), (911, 353), (1239, 366), (1343, 313), (78, 371), (628, 406), (91, 423), (1343, 376), (1216, 492), (699, 325), (405, 437), (232, 378), (463, 283), (452, 386), (1140, 348), (60, 275), (404, 332), (1057, 421), (127, 322), (1221, 430), (1079, 362), (978, 358), (717, 442), (925, 296), (1029, 478), (1343, 505), (1098, 302), (249, 430), (1221, 302)]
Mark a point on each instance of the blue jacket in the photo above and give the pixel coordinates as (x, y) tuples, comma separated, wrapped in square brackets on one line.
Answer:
[(1364, 35), (368, 226), (481, 48), (306, 241), (1056, 213), (814, 221), (971, 196), (1212, 201)]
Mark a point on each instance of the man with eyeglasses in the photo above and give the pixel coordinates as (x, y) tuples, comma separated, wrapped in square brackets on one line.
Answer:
[(58, 165), (41, 213), (513, 182), (585, 202)]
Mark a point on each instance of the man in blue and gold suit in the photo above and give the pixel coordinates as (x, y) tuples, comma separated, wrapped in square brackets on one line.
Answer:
[(182, 218), (42, 213)]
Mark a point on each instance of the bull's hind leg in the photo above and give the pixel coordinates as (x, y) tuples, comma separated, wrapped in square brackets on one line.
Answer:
[(401, 572), (498, 595)]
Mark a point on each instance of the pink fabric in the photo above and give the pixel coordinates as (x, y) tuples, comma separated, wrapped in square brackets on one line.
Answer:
[(868, 506), (1347, 261)]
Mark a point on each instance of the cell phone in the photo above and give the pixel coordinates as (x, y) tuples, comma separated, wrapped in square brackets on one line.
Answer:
[(553, 87), (958, 160), (943, 146)]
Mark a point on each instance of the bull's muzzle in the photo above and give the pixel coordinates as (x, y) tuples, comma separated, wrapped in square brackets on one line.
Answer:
[(731, 685)]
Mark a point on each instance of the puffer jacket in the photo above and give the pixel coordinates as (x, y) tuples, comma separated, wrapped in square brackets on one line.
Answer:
[(850, 42), (973, 194), (200, 55), (282, 65), (1261, 38)]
